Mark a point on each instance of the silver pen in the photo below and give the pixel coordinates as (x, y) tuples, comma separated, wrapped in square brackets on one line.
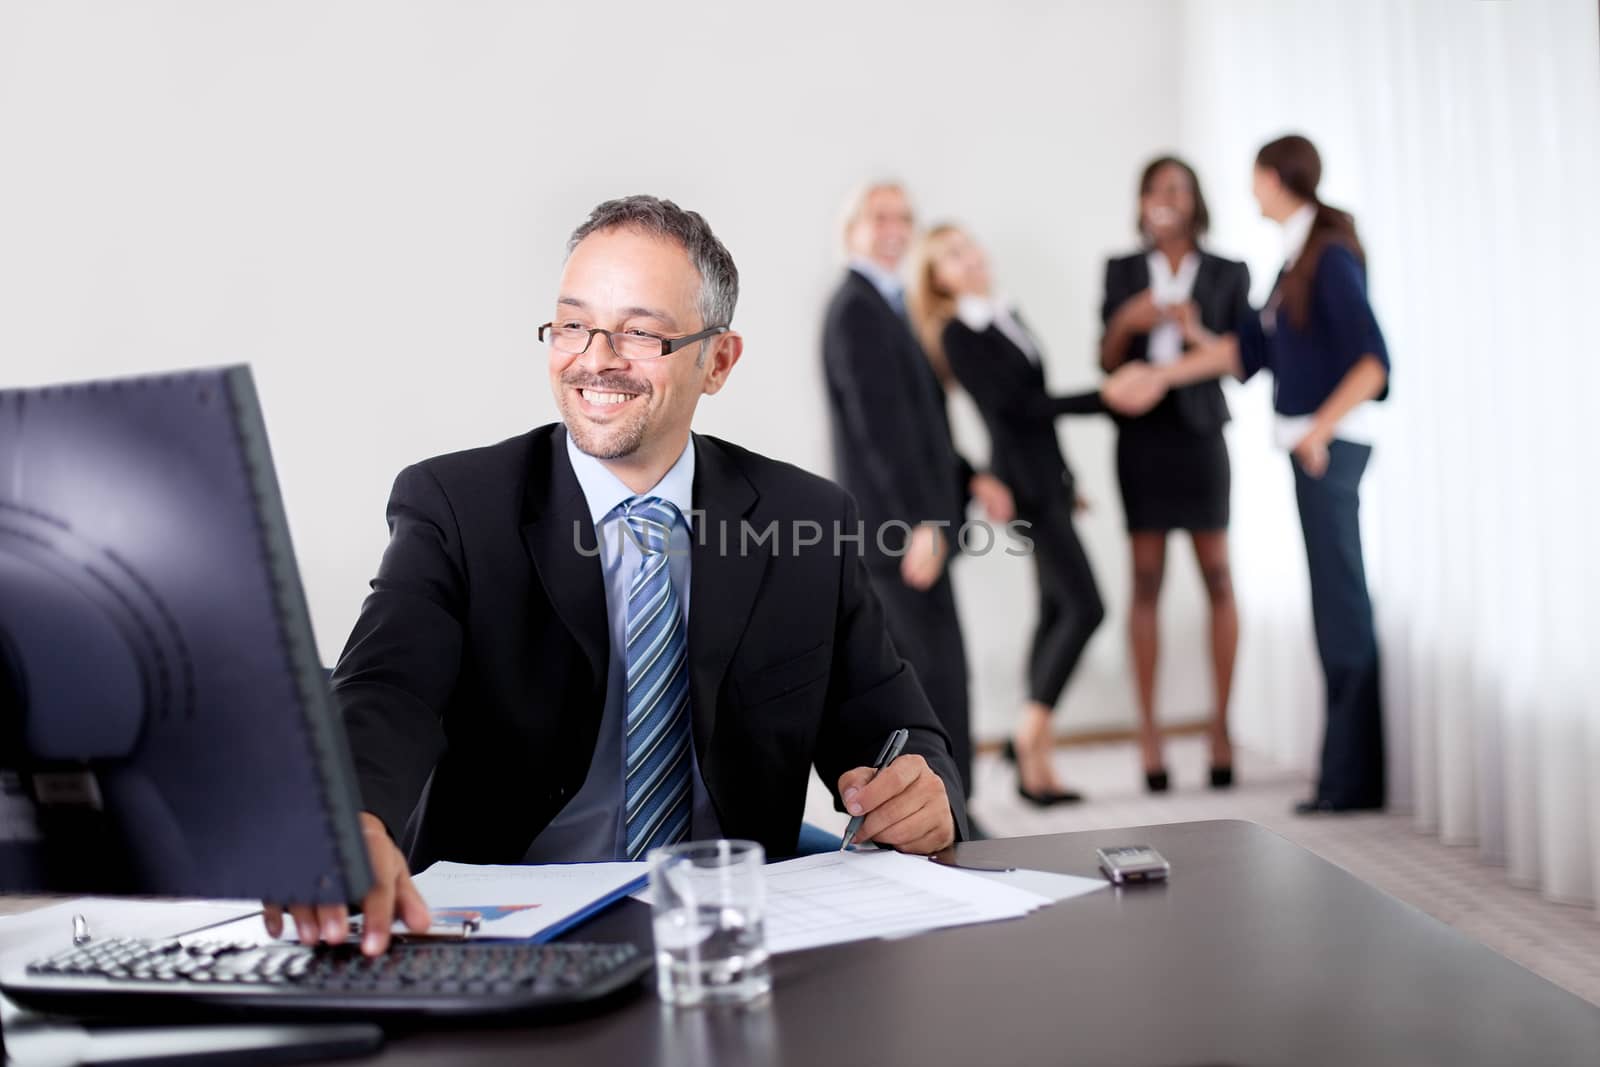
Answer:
[(891, 751)]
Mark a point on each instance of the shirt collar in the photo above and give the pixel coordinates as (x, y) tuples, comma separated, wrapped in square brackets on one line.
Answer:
[(977, 313), (1162, 274), (603, 491), (886, 282), (1296, 231)]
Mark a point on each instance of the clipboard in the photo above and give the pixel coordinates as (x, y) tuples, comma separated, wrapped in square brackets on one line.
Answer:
[(467, 923), (578, 918)]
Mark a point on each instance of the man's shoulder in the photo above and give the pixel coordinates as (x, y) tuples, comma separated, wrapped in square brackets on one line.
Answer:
[(503, 463), (853, 291), (782, 485)]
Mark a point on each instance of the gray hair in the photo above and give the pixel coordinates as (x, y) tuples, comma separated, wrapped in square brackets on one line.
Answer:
[(719, 278), (855, 204)]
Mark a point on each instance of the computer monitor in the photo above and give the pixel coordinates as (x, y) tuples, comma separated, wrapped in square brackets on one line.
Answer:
[(166, 727)]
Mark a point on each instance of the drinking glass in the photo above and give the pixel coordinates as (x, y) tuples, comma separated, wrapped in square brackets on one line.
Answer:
[(709, 899)]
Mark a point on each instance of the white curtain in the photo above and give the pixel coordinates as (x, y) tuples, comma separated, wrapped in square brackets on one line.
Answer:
[(1463, 135)]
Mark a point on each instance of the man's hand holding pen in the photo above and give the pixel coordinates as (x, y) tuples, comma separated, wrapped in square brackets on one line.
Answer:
[(904, 806)]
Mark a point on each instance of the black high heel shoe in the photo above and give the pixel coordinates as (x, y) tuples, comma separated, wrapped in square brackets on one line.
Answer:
[(1038, 800), (1222, 777), (1156, 781)]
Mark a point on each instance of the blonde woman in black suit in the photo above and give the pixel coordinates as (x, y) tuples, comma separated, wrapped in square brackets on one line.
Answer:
[(985, 345)]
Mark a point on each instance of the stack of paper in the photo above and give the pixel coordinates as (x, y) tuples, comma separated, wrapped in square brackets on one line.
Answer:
[(850, 896), (812, 901)]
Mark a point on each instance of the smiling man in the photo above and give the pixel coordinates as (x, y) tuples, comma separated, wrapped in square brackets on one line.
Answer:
[(611, 634)]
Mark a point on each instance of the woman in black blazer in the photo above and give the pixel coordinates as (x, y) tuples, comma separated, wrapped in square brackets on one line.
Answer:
[(1172, 463), (989, 351)]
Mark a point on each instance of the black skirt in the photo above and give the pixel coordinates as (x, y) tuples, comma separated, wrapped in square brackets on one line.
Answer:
[(1171, 477)]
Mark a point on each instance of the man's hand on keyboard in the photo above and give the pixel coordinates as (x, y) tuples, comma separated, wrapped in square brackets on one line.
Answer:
[(392, 894)]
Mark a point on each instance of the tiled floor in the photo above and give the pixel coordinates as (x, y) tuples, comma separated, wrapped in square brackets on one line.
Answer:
[(1559, 942)]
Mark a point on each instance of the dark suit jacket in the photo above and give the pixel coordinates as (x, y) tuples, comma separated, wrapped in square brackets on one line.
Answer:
[(1222, 289), (1017, 408), (891, 433), (480, 658)]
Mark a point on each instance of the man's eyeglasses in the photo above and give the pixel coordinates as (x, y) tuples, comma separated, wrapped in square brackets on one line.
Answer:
[(629, 344)]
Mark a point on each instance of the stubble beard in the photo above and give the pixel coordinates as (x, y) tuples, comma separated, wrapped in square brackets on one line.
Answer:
[(615, 440)]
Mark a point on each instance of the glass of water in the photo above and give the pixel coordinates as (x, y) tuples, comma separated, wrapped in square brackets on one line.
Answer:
[(709, 901)]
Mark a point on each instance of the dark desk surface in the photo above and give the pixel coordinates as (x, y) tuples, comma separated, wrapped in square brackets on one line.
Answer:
[(1257, 952)]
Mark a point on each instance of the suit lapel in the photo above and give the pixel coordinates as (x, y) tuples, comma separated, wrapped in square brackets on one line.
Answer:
[(723, 578), (866, 285), (1205, 287), (1033, 368), (1141, 274), (559, 534), (914, 360)]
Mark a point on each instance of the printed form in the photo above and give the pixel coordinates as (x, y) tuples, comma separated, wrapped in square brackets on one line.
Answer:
[(851, 896)]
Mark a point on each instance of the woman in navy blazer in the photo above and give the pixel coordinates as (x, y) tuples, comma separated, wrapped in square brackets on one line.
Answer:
[(1329, 363)]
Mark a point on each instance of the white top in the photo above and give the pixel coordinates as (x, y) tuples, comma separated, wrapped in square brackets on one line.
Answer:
[(978, 313), (1296, 231), (1360, 424), (1359, 427), (1169, 289)]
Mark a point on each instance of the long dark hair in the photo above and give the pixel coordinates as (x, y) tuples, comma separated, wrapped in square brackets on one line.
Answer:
[(1200, 221), (1295, 161)]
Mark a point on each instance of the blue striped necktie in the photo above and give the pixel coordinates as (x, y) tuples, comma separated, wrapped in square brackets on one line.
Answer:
[(897, 300), (657, 793)]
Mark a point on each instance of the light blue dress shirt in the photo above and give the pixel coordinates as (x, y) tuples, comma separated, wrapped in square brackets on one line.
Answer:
[(887, 282), (590, 828)]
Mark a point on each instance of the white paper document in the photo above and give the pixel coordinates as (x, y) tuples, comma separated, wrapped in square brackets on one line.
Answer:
[(1057, 887), (48, 930), (850, 896), (521, 901)]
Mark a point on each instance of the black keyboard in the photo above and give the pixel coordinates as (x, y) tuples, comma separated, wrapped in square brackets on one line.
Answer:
[(123, 976)]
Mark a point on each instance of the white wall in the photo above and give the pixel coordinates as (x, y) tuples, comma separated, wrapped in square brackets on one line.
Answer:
[(368, 201)]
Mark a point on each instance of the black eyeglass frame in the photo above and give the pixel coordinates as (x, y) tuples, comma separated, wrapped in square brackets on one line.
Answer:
[(669, 345)]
